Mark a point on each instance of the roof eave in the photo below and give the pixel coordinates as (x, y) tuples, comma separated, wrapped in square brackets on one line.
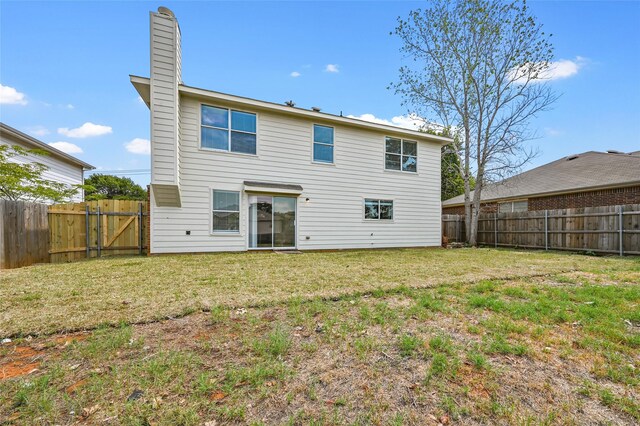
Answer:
[(23, 137), (142, 86)]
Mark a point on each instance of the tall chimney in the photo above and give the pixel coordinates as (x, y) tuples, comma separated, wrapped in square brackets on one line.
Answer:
[(166, 75)]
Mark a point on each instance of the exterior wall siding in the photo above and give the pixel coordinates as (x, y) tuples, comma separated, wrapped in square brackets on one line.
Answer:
[(165, 69), (333, 216), (59, 170)]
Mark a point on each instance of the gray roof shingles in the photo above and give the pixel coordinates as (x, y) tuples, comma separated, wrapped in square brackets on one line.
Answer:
[(587, 170)]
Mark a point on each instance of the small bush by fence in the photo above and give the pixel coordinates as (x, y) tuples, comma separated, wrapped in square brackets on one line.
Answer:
[(35, 233), (608, 229)]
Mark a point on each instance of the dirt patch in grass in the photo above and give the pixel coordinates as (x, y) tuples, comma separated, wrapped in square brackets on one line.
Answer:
[(24, 358), (53, 298), (19, 361), (542, 350)]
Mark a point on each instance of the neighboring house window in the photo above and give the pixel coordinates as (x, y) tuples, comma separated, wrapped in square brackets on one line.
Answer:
[(378, 209), (226, 211), (520, 206), (513, 206), (322, 144), (505, 207), (401, 155), (228, 130)]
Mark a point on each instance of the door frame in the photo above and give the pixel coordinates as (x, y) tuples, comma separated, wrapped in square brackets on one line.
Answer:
[(295, 221)]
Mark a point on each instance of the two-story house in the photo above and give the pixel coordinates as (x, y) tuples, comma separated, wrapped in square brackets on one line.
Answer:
[(230, 173), (60, 166)]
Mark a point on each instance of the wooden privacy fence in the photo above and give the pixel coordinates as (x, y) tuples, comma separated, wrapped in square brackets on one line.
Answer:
[(608, 229), (97, 228), (24, 234)]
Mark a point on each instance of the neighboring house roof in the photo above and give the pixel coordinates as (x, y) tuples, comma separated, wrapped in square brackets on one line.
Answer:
[(142, 86), (15, 134), (575, 173)]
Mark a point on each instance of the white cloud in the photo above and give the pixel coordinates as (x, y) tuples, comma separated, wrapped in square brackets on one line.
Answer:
[(67, 147), (39, 131), (556, 70), (69, 106), (9, 95), (563, 68), (552, 132), (85, 131), (139, 146), (332, 68), (295, 74), (411, 121)]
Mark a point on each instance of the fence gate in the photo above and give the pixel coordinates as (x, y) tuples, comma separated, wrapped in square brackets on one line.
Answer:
[(97, 228)]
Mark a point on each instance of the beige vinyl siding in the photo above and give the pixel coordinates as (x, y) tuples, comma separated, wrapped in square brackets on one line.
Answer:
[(333, 217), (59, 170), (164, 99)]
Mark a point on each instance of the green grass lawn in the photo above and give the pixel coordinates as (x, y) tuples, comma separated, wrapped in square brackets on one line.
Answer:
[(58, 297), (367, 337)]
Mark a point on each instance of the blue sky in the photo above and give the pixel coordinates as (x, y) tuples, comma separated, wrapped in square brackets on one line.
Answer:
[(64, 64)]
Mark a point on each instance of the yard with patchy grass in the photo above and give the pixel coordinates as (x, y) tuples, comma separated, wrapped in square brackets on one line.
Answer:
[(469, 336), (73, 296)]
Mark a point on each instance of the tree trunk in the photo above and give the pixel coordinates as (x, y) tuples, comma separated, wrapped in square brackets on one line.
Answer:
[(467, 209), (475, 214), (467, 183)]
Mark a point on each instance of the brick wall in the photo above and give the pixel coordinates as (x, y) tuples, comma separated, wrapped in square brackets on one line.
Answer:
[(605, 197), (484, 208), (453, 210)]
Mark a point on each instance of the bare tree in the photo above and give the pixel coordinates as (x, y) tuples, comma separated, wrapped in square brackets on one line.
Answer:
[(480, 69)]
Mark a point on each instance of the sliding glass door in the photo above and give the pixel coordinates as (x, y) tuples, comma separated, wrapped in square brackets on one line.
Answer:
[(272, 222)]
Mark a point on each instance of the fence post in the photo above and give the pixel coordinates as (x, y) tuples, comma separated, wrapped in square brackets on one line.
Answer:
[(140, 228), (87, 230), (546, 229), (495, 229), (621, 225), (98, 231)]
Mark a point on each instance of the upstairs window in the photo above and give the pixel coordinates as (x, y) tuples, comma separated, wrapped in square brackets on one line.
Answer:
[(226, 211), (401, 155), (228, 130), (378, 209), (322, 144)]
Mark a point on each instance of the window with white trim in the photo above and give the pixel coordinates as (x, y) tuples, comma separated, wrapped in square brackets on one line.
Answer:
[(401, 155), (322, 144), (378, 209), (226, 211), (227, 130)]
